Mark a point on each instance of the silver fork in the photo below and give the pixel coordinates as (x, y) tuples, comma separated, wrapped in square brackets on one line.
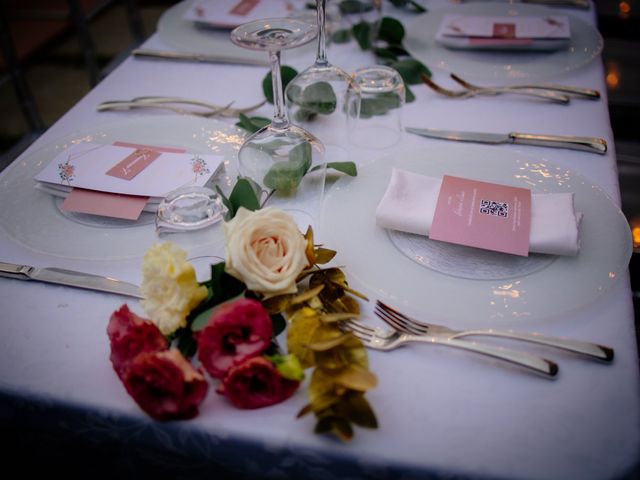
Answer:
[(580, 91), (404, 323), (467, 93), (385, 340)]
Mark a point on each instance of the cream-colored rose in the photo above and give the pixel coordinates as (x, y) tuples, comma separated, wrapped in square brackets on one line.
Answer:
[(265, 250), (169, 287)]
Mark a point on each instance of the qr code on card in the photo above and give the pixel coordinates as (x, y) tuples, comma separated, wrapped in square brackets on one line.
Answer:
[(495, 209)]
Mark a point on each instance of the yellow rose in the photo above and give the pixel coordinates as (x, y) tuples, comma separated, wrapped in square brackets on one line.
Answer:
[(169, 287), (265, 250)]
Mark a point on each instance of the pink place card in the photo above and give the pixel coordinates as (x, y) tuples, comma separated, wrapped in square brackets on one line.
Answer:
[(243, 7), (134, 163), (483, 215), (128, 207)]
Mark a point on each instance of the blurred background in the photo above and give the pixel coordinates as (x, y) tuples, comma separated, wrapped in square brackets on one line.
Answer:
[(55, 51)]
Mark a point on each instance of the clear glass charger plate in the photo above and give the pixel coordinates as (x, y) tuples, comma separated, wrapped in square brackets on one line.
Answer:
[(511, 294), (586, 44), (33, 218), (187, 36)]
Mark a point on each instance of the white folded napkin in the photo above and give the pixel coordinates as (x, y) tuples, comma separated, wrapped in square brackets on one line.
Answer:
[(410, 201)]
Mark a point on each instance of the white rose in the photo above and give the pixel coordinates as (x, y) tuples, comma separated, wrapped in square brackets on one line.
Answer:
[(169, 287), (265, 250)]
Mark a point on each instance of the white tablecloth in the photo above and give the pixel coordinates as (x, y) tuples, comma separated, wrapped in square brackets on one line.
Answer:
[(441, 412)]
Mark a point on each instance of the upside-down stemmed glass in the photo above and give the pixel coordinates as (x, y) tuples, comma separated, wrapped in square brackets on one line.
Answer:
[(316, 97), (286, 161)]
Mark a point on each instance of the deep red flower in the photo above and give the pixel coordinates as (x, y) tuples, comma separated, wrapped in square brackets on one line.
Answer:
[(236, 331), (165, 385), (256, 383), (131, 335)]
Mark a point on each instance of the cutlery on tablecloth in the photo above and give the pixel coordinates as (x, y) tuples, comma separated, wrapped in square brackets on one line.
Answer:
[(491, 91), (170, 103), (196, 57), (583, 4), (579, 91), (404, 323), (586, 144), (69, 278), (380, 339)]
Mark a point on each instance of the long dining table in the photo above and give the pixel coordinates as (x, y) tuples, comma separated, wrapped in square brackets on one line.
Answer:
[(442, 412)]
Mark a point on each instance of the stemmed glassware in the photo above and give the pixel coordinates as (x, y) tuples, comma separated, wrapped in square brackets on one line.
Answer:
[(316, 96), (283, 159)]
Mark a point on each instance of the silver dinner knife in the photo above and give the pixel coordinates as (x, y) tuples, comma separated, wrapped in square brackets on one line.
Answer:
[(586, 144), (196, 57), (69, 278)]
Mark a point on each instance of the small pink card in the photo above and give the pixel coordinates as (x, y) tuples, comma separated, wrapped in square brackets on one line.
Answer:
[(483, 215), (105, 204), (244, 7), (134, 163)]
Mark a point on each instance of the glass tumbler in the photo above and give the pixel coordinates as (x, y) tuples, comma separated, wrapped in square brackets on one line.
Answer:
[(375, 102)]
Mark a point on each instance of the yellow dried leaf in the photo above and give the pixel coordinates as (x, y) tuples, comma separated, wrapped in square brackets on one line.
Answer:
[(322, 393), (324, 255), (350, 352), (337, 317), (355, 408), (308, 295), (309, 251), (356, 378), (303, 325), (277, 304), (330, 342)]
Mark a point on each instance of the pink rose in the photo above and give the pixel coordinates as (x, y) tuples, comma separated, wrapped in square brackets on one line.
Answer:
[(256, 383), (236, 331), (165, 385), (131, 335)]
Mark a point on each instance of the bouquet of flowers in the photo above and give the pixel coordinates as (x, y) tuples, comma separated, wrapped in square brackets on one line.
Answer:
[(273, 278)]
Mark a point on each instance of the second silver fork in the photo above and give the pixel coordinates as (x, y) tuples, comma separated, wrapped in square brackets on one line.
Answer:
[(385, 340), (404, 323)]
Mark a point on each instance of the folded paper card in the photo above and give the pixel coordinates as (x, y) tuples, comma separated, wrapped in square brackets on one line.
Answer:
[(231, 13), (127, 170), (518, 32), (409, 204)]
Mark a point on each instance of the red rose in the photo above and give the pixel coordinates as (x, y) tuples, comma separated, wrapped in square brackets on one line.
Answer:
[(165, 385), (131, 335), (236, 331), (256, 383)]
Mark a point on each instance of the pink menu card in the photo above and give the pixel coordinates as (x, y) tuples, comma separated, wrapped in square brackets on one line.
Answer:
[(483, 215)]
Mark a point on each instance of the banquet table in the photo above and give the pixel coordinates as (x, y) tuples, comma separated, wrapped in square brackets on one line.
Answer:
[(442, 412)]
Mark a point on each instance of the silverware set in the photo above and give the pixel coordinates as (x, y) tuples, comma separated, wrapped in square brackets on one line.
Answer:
[(551, 92), (204, 109), (405, 329)]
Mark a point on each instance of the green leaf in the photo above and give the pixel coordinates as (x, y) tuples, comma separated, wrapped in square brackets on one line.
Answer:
[(410, 5), (201, 319), (385, 53), (279, 324), (186, 343), (252, 124), (345, 167), (410, 70), (320, 98), (354, 6), (288, 365), (379, 105), (287, 73), (362, 34), (408, 95), (286, 176), (243, 195), (391, 31), (341, 36)]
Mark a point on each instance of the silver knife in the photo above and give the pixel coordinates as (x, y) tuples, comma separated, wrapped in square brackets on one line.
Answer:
[(69, 278), (586, 144), (197, 57)]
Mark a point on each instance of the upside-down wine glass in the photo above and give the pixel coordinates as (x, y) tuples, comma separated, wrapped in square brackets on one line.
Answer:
[(286, 161), (316, 97)]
